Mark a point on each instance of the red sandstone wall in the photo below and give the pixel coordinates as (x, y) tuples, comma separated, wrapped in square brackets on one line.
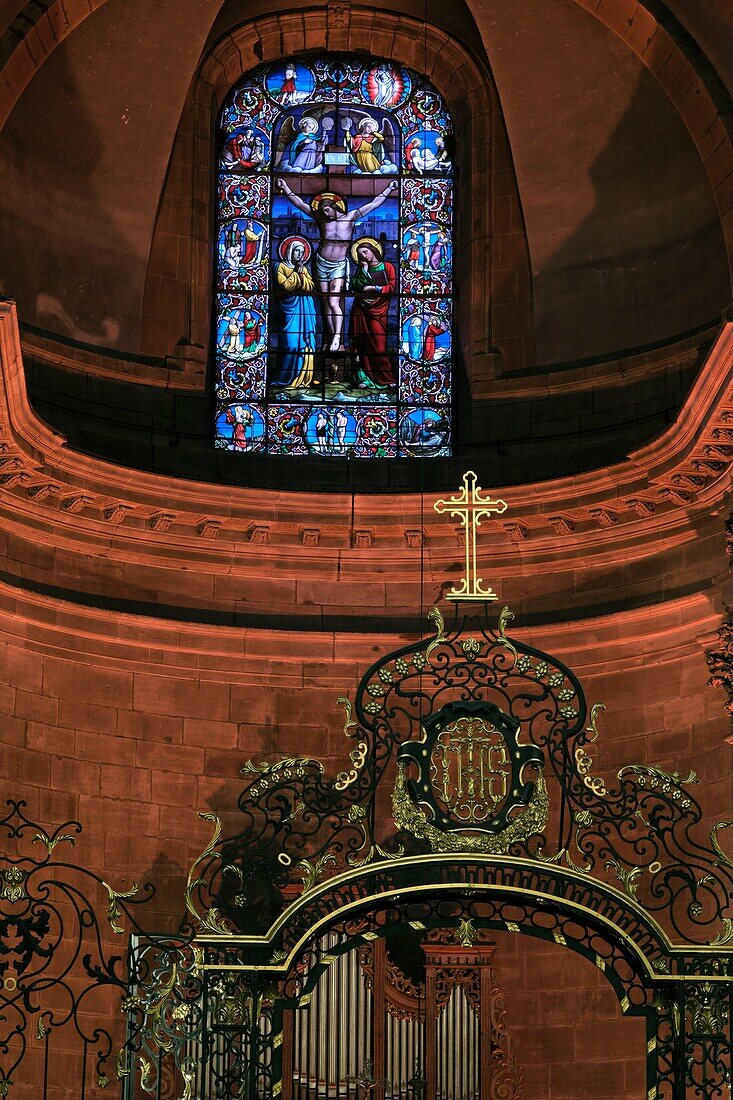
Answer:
[(566, 1024), (135, 725)]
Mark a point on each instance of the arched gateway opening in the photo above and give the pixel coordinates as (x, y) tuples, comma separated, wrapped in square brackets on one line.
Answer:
[(342, 941)]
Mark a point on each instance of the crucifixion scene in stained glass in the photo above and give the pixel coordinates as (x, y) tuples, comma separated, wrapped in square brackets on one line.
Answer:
[(334, 284)]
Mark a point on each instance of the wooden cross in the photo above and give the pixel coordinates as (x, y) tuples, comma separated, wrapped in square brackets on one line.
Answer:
[(471, 507)]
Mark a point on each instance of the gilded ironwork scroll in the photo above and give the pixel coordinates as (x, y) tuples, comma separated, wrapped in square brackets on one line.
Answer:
[(56, 958)]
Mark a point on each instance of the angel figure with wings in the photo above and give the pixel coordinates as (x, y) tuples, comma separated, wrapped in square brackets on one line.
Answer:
[(305, 143), (367, 145)]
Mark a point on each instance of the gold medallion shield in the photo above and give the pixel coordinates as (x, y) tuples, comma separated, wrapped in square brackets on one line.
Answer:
[(470, 769)]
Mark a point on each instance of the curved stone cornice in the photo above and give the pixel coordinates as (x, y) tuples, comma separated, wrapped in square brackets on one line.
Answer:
[(85, 525), (189, 651)]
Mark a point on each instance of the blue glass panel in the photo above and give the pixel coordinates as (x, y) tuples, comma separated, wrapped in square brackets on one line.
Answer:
[(425, 329), (290, 82), (247, 149), (240, 381), (425, 383), (386, 85), (333, 224), (426, 151), (429, 198), (425, 432), (426, 259), (242, 252), (287, 429), (241, 331), (370, 140), (302, 136), (246, 104), (333, 430), (330, 80), (240, 427), (247, 196), (295, 322), (376, 432), (425, 110)]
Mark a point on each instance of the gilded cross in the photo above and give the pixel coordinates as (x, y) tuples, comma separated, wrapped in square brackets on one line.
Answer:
[(471, 507)]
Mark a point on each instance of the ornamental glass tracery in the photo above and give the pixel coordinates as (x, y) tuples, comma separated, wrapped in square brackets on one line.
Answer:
[(334, 262)]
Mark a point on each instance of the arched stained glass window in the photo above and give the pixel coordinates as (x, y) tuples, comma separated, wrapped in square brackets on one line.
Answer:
[(334, 262)]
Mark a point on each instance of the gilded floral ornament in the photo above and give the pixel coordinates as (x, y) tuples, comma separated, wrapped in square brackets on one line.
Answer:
[(146, 1071), (627, 876), (466, 932), (358, 815), (122, 1063), (314, 871), (211, 920), (188, 1073), (653, 778), (358, 755), (583, 761), (113, 908), (708, 1009), (506, 616), (725, 935), (437, 619), (13, 889), (58, 837), (409, 817), (723, 859), (298, 808), (271, 773)]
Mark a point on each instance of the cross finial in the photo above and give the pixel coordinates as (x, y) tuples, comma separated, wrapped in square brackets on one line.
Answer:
[(471, 507)]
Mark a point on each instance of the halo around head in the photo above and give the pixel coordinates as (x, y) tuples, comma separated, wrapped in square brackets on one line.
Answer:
[(287, 244), (328, 196), (374, 244)]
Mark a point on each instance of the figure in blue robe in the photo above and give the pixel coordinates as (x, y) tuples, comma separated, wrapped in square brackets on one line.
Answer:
[(413, 331), (297, 340), (305, 151)]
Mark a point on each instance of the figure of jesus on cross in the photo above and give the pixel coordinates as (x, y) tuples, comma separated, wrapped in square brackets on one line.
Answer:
[(471, 507), (330, 263)]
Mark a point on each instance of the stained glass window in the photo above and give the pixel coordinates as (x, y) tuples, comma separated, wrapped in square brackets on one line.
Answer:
[(334, 262)]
